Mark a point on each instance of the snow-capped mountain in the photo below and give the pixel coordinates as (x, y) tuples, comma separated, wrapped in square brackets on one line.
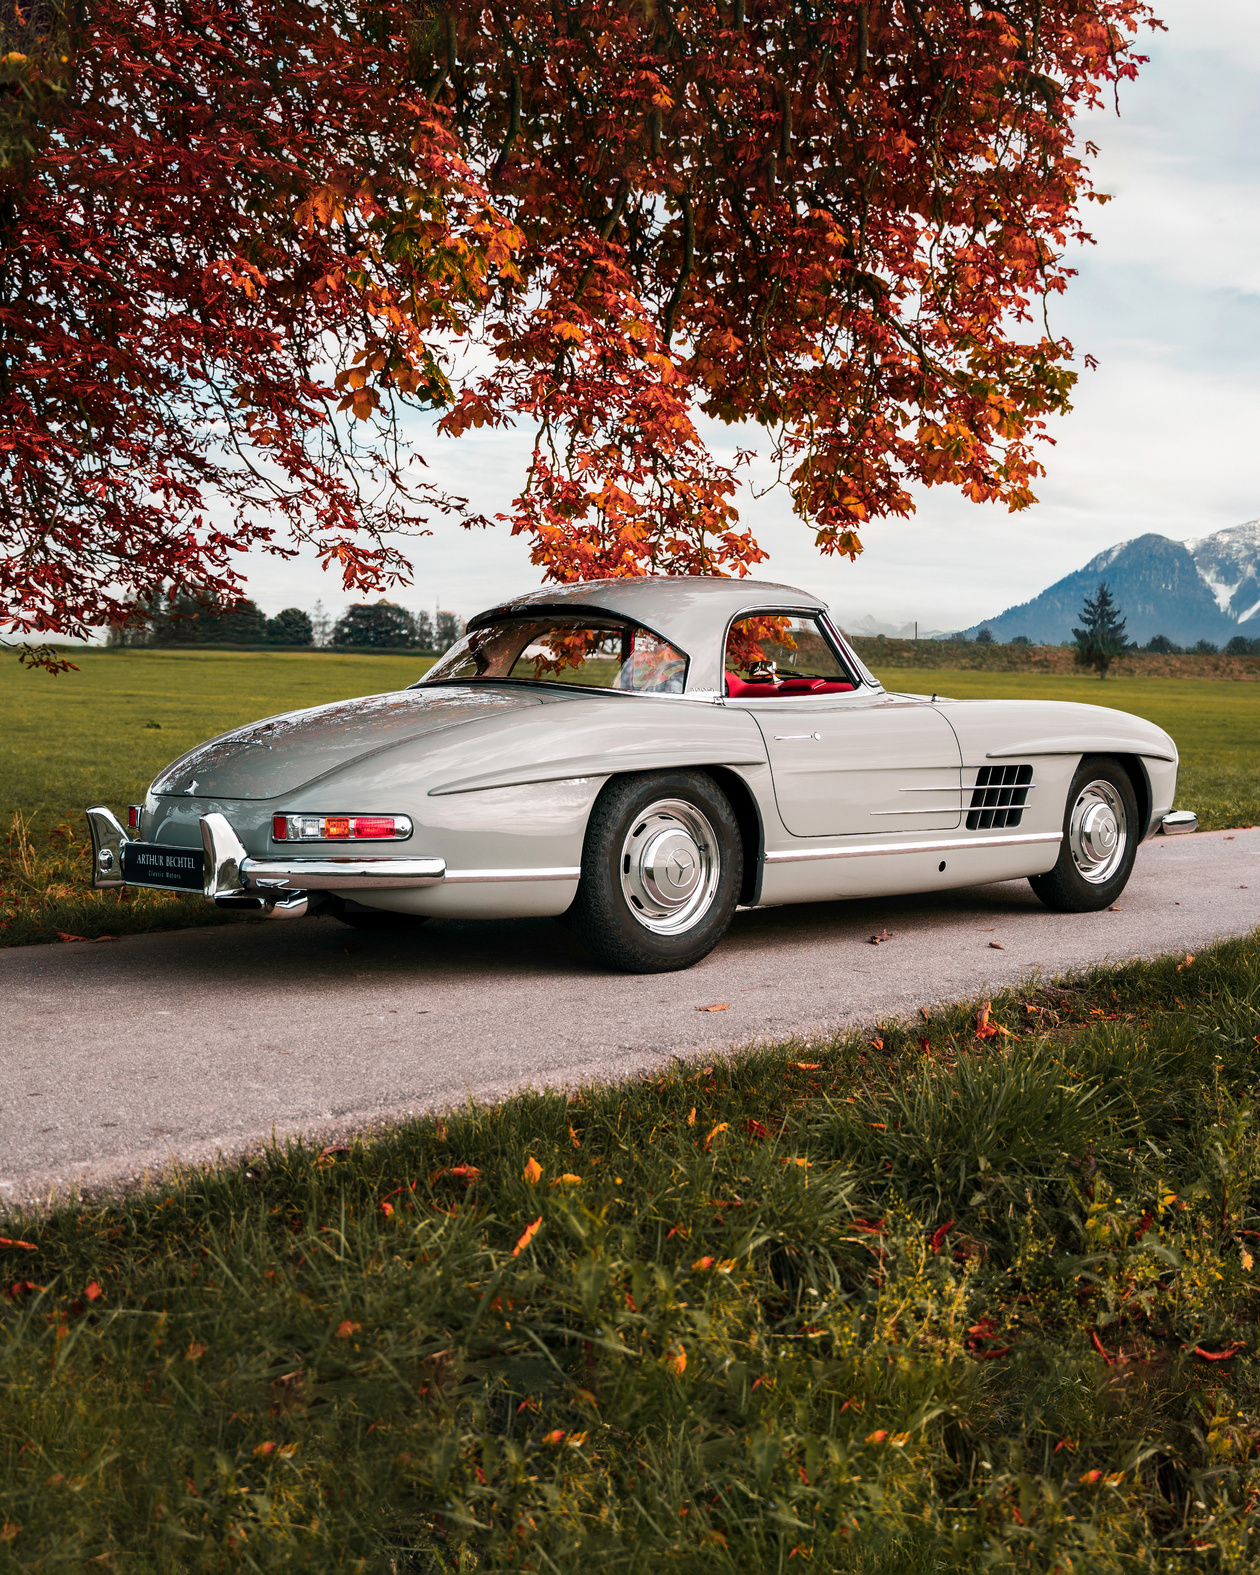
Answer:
[(1204, 589)]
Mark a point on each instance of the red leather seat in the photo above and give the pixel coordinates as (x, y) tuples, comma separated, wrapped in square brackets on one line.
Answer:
[(738, 687)]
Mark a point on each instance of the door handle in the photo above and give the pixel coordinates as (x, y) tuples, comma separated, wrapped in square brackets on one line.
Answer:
[(785, 738)]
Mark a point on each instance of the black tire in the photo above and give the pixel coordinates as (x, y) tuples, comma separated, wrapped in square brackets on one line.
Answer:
[(635, 909), (1087, 875), (361, 918)]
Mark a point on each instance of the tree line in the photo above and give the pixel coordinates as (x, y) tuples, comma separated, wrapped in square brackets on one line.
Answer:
[(174, 620)]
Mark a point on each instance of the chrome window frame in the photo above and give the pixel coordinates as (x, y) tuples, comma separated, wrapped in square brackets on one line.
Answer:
[(857, 674), (565, 610)]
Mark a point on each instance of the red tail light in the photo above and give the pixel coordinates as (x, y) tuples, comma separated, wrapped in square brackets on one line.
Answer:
[(133, 816), (339, 828), (374, 826)]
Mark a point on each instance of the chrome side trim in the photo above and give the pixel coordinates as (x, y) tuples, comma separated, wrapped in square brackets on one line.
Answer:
[(108, 836), (951, 844), (469, 877), (1097, 746)]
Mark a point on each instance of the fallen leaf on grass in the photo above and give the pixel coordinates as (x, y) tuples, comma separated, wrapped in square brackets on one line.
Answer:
[(691, 1116), (1088, 1478), (1217, 1356), (345, 1329), (808, 1066), (577, 1141), (878, 940), (533, 1171), (8, 1531), (567, 1180), (332, 1152), (939, 1235), (93, 1292), (464, 1173), (266, 1447), (997, 946), (984, 1028), (927, 1016), (1186, 964), (527, 1235), (878, 1436), (677, 1364), (195, 1352), (556, 1436), (12, 1241), (722, 1126), (755, 1129), (719, 1006), (704, 1263)]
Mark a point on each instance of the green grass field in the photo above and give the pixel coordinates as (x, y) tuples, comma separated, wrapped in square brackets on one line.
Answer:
[(100, 735), (978, 1292)]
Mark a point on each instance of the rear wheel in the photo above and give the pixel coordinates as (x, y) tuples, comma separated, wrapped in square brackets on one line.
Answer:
[(661, 872), (1100, 838)]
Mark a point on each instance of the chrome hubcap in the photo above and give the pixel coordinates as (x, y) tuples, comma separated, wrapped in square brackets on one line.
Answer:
[(1098, 832), (670, 866)]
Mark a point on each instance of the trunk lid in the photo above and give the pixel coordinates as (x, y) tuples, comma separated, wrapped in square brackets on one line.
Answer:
[(282, 753)]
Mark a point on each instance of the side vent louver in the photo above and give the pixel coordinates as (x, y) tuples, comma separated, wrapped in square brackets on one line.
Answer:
[(999, 797)]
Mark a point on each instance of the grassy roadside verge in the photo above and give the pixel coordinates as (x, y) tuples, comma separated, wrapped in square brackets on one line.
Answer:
[(975, 1292)]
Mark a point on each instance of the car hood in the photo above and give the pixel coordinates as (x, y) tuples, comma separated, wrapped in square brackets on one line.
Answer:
[(282, 753)]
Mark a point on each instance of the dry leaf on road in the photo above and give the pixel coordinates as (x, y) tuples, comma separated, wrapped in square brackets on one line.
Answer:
[(878, 940), (719, 1006)]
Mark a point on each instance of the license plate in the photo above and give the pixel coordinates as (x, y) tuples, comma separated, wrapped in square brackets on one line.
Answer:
[(155, 864)]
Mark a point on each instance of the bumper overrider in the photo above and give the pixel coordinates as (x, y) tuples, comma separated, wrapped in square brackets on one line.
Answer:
[(224, 873)]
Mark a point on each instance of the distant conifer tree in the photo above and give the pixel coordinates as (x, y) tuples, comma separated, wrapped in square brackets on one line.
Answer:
[(1101, 639)]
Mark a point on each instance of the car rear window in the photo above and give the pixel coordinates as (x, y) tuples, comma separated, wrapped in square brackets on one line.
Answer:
[(593, 653)]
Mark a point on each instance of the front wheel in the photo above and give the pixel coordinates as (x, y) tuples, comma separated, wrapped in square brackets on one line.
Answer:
[(1100, 839), (662, 868)]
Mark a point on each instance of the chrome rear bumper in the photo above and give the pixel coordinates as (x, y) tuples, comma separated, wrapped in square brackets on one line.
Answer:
[(275, 885)]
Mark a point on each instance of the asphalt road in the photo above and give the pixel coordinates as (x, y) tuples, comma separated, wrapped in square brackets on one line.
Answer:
[(124, 1057)]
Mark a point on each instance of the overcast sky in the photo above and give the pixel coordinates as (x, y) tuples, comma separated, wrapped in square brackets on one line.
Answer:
[(1163, 437)]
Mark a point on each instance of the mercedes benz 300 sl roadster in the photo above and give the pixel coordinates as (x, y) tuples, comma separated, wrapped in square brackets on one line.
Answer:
[(640, 757)]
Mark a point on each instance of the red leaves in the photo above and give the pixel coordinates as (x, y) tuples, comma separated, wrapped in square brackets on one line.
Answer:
[(12, 1241), (1217, 1356), (979, 1338), (755, 1129), (939, 1235), (985, 1029), (657, 222)]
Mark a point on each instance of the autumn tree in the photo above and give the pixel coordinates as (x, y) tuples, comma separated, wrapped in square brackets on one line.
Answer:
[(1100, 639), (259, 229), (231, 214), (842, 221)]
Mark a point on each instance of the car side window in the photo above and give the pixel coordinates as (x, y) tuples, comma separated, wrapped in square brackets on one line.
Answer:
[(783, 654)]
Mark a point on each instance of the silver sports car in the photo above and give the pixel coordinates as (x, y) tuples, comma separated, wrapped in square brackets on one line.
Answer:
[(639, 757)]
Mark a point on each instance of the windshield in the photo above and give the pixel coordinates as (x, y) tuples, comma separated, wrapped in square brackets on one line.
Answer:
[(593, 653)]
